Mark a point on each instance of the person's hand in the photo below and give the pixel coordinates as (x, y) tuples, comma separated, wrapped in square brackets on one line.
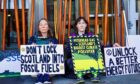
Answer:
[(116, 45), (51, 43), (34, 44)]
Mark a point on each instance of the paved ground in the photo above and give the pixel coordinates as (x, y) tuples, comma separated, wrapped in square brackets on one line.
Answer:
[(127, 79)]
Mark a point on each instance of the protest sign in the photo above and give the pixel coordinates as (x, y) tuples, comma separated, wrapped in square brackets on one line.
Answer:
[(132, 40), (86, 52), (9, 63), (122, 61), (42, 59)]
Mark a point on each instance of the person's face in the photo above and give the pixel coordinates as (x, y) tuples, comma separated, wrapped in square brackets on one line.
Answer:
[(81, 25), (43, 26)]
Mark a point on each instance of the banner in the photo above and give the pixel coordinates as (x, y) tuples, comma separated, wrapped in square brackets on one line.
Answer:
[(42, 59), (86, 52), (122, 61), (132, 40), (9, 63)]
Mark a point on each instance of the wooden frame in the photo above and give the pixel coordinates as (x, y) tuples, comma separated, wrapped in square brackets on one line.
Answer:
[(23, 23), (4, 25), (32, 18), (17, 22)]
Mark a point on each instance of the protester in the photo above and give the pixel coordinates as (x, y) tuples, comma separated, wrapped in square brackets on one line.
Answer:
[(44, 36)]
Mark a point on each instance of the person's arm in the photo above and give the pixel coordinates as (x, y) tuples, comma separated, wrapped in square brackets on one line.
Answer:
[(68, 49), (54, 41)]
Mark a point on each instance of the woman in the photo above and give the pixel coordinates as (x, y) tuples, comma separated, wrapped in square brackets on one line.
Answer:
[(81, 26), (44, 36)]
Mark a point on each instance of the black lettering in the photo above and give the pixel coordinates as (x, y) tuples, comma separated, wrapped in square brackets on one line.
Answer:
[(111, 62), (134, 52), (57, 68), (30, 50)]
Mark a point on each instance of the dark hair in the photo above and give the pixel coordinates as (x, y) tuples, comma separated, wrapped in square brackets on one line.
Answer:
[(49, 33), (78, 20)]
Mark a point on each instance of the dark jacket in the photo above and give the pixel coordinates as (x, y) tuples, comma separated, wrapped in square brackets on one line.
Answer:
[(37, 40)]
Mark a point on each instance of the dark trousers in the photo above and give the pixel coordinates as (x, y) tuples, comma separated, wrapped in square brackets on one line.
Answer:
[(43, 77)]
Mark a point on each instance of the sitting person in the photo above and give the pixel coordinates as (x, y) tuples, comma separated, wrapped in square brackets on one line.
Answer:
[(81, 26), (44, 37)]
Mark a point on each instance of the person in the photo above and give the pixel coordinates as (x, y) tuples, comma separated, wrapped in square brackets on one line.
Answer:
[(81, 29), (44, 36)]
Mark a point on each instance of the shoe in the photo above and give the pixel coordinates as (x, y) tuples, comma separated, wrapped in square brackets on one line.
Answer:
[(97, 79), (47, 82), (80, 81), (39, 83)]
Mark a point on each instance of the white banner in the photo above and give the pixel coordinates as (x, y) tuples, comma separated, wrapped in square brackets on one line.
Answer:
[(9, 63), (42, 59), (122, 61), (133, 40)]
